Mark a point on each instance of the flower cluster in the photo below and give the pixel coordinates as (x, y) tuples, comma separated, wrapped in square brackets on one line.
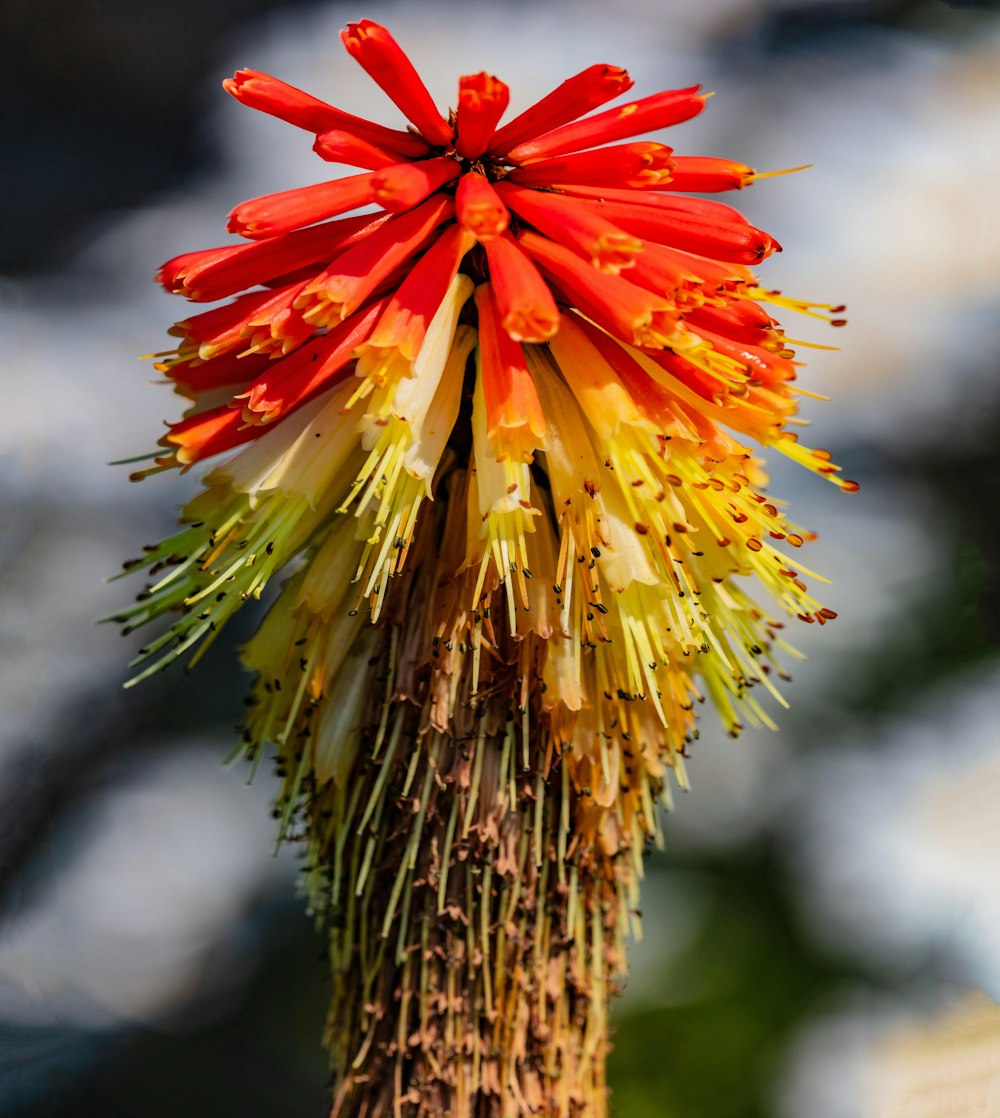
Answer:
[(506, 422)]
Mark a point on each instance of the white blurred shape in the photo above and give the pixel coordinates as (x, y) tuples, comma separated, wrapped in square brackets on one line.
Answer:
[(145, 914), (946, 1067), (898, 218), (867, 1061), (898, 837)]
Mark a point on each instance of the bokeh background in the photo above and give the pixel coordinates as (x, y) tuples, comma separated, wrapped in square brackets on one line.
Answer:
[(822, 932)]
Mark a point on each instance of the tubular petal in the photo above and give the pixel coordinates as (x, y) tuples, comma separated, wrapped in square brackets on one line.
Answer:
[(645, 115), (279, 324), (602, 397), (739, 243), (215, 273), (277, 98), (206, 434), (579, 94), (636, 165), (528, 311), (482, 101), (479, 207), (760, 364), (337, 146), (653, 199), (654, 402), (222, 329), (607, 247), (705, 175), (406, 185), (357, 272), (194, 377), (286, 384), (514, 419), (742, 320), (273, 214), (699, 382), (687, 277), (396, 339), (383, 59), (628, 311)]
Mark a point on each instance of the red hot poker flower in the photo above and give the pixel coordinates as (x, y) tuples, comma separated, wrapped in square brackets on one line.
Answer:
[(503, 426)]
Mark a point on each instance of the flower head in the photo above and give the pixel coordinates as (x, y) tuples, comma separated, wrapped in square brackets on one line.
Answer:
[(507, 420)]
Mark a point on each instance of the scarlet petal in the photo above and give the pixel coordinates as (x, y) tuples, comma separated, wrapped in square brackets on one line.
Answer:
[(656, 200), (291, 381), (404, 321), (222, 329), (479, 207), (176, 275), (217, 272), (740, 243), (741, 320), (668, 271), (705, 175), (278, 213), (577, 95), (645, 115), (279, 325), (482, 101), (701, 383), (338, 146), (355, 273), (529, 313), (407, 184), (631, 165), (512, 406), (629, 312), (383, 59), (195, 377), (760, 364), (605, 245), (206, 434), (277, 98)]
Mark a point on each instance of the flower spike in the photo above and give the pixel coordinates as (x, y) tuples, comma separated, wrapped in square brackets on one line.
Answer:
[(494, 407)]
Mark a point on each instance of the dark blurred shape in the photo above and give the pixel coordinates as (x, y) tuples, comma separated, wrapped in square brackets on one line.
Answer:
[(101, 105), (256, 1058), (811, 24), (967, 475)]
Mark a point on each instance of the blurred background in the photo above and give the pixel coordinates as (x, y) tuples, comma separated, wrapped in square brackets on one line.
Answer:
[(823, 928)]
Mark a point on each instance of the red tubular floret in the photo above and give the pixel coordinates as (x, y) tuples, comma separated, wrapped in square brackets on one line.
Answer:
[(279, 99), (385, 62), (577, 95), (645, 115), (482, 101)]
